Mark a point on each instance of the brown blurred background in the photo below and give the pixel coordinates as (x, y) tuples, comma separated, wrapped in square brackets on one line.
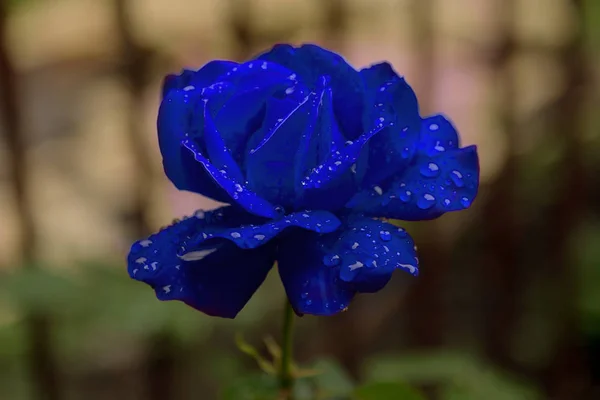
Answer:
[(508, 302)]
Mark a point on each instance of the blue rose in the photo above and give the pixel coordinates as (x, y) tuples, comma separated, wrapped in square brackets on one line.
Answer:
[(310, 155)]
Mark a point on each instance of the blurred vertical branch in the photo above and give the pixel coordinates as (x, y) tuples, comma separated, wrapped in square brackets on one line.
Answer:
[(41, 363), (425, 317), (336, 22), (566, 377), (239, 21), (501, 232), (135, 63), (135, 70)]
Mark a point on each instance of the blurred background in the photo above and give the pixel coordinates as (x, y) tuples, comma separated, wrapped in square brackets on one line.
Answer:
[(508, 302)]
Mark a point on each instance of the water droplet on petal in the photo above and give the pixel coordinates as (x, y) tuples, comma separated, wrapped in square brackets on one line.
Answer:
[(457, 178), (401, 232), (434, 127), (430, 170), (331, 260), (465, 202), (236, 235), (446, 202), (386, 236), (304, 295), (279, 210), (426, 201), (199, 214), (405, 153), (308, 302), (405, 196)]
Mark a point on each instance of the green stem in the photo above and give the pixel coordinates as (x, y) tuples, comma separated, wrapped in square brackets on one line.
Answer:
[(286, 379)]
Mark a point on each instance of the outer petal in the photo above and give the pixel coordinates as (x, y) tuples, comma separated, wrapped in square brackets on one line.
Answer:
[(369, 251), (186, 134), (311, 62), (217, 279), (205, 76), (249, 233), (312, 287), (437, 135), (395, 104), (321, 273), (430, 187), (175, 118)]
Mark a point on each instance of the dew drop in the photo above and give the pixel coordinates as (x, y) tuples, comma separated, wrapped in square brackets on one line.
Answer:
[(457, 178), (386, 236), (402, 232), (426, 201), (430, 170), (405, 153), (405, 196), (236, 235), (308, 302), (199, 214), (279, 210), (446, 202), (465, 202), (331, 260), (304, 295)]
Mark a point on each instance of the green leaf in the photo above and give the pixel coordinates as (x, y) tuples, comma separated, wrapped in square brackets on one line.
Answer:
[(387, 391), (250, 350), (253, 387)]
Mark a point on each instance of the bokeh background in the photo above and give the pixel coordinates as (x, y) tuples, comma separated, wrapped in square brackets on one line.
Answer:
[(508, 302)]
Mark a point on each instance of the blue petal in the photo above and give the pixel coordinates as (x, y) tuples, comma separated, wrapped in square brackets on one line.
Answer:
[(255, 73), (176, 116), (437, 135), (251, 233), (317, 147), (217, 279), (322, 272), (311, 62), (370, 250), (243, 196), (394, 104), (377, 75), (216, 149), (270, 159), (340, 161), (311, 287), (205, 76), (430, 187)]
